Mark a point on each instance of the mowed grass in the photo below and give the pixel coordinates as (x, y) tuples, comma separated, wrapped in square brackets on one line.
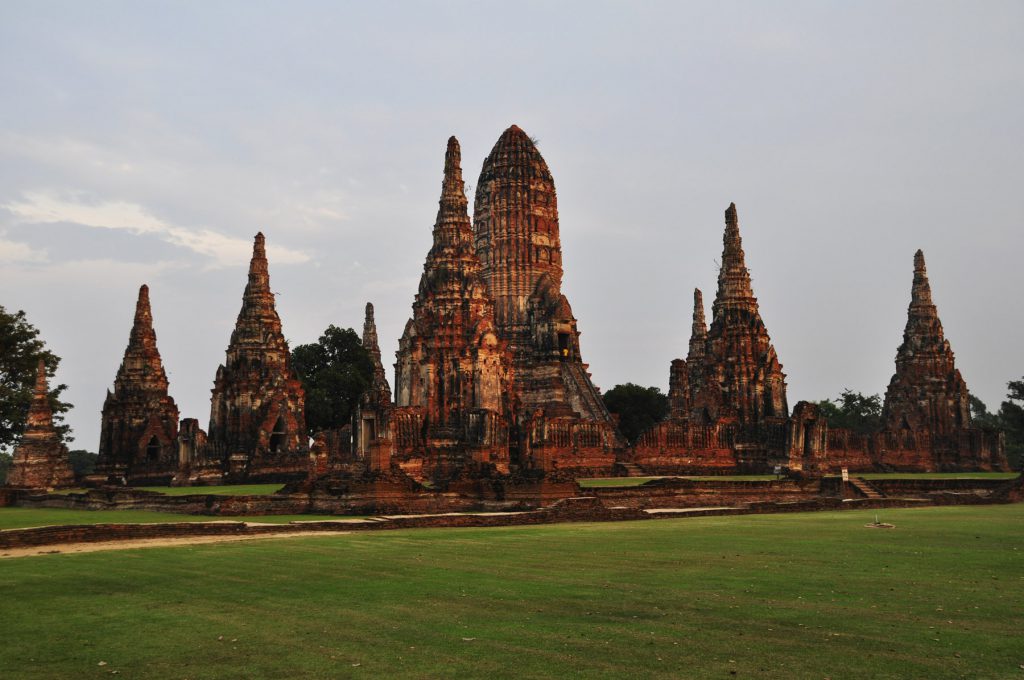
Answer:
[(23, 518), (771, 596)]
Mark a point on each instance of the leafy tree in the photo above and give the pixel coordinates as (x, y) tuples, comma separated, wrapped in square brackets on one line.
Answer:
[(981, 416), (5, 466), (82, 462), (20, 352), (853, 411), (334, 371), (1011, 420), (639, 408)]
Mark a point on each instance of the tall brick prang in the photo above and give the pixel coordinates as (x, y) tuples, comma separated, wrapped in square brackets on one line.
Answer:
[(40, 460), (139, 429), (564, 423)]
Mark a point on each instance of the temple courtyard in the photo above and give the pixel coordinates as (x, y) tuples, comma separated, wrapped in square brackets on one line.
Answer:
[(815, 595)]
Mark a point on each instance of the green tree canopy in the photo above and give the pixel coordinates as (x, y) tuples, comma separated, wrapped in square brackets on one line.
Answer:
[(20, 352), (639, 408), (1011, 421), (853, 411), (334, 371)]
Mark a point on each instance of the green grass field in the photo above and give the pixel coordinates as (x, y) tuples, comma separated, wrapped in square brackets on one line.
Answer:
[(22, 518), (771, 596)]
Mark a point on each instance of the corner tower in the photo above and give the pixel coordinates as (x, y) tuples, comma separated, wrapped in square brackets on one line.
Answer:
[(257, 411), (139, 430), (742, 379), (927, 391), (40, 460)]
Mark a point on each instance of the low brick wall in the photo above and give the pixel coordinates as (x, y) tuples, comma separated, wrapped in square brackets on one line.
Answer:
[(689, 493)]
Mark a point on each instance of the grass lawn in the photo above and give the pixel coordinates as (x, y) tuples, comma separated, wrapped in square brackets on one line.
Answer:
[(229, 490), (21, 518), (766, 596)]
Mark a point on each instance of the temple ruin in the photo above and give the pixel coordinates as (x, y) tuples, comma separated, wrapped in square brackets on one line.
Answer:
[(139, 430), (257, 418), (491, 389), (563, 423), (728, 398), (452, 372), (40, 460)]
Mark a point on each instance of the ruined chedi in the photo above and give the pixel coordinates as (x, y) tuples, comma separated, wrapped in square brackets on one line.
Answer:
[(40, 460), (927, 391), (727, 400), (257, 417), (139, 427), (516, 233), (379, 387), (371, 436), (685, 376), (451, 369), (740, 377), (928, 396)]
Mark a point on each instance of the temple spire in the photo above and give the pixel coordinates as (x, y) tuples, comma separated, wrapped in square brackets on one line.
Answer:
[(142, 329), (370, 344), (921, 293), (139, 414), (699, 330), (452, 227), (733, 277), (40, 415), (40, 460), (258, 287)]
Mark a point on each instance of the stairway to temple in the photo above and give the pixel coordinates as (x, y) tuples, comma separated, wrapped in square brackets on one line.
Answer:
[(632, 469), (865, 487), (578, 384)]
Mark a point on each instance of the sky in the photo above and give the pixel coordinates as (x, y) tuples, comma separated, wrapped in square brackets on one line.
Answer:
[(149, 142)]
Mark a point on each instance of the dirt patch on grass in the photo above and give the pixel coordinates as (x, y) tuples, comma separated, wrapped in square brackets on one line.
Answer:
[(74, 548)]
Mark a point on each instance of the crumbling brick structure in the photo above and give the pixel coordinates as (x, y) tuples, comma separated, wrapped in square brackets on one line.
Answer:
[(926, 413), (257, 414), (452, 372), (728, 407), (139, 430), (40, 460), (563, 423)]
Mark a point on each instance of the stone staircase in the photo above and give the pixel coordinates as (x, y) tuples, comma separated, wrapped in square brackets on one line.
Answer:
[(631, 469), (865, 487)]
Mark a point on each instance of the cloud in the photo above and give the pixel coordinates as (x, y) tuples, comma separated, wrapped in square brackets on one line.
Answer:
[(12, 252), (224, 250)]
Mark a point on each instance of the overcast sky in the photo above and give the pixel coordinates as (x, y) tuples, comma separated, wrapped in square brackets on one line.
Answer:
[(148, 142)]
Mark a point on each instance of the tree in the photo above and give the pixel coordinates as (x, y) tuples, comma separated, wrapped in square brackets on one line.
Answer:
[(853, 411), (334, 371), (20, 352), (981, 416), (639, 408), (82, 462), (1011, 420)]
